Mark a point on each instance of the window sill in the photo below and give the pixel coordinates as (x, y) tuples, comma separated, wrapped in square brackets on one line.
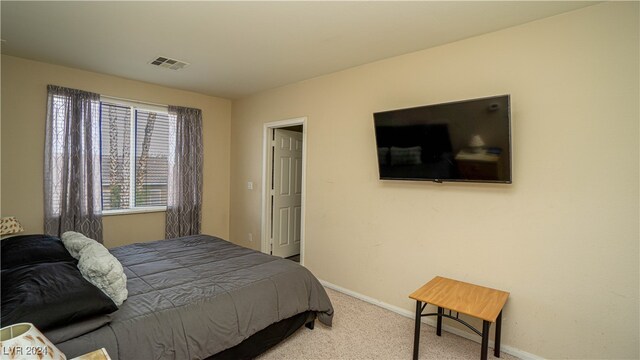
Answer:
[(142, 210)]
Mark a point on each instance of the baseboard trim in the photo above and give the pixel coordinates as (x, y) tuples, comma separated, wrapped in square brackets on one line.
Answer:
[(431, 322)]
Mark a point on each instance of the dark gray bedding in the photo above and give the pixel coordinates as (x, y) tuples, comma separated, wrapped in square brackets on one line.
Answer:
[(195, 296)]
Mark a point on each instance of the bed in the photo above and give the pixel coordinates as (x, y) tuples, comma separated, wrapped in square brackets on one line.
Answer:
[(195, 297)]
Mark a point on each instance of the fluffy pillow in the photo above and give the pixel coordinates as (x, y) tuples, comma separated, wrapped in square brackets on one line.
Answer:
[(104, 271), (98, 266), (75, 242)]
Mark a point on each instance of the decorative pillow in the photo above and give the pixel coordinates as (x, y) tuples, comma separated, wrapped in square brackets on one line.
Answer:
[(104, 271), (406, 156), (50, 295), (23, 250), (10, 225), (75, 242)]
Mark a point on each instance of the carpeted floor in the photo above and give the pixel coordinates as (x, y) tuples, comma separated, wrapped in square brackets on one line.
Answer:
[(365, 331)]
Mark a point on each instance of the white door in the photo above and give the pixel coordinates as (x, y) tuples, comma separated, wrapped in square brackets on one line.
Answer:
[(286, 193)]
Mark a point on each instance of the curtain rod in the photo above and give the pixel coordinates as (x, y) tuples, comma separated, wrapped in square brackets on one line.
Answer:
[(134, 101)]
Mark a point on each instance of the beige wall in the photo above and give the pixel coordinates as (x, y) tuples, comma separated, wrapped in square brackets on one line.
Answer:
[(24, 91), (563, 238)]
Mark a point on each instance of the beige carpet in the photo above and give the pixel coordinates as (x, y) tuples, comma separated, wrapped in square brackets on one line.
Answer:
[(365, 331)]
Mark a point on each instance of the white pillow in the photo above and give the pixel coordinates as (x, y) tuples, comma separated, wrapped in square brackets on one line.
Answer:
[(75, 242), (98, 266)]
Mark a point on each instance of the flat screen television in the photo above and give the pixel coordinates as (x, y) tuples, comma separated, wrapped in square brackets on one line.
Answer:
[(466, 141)]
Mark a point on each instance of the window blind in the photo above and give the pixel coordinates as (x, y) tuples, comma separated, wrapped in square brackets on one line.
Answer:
[(135, 156), (152, 158), (115, 124)]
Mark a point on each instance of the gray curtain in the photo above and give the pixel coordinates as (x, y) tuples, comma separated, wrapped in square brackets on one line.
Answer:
[(72, 184), (184, 188)]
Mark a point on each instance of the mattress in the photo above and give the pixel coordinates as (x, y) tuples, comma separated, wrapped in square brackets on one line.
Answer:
[(195, 296)]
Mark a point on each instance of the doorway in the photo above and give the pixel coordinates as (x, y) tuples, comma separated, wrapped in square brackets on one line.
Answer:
[(283, 190)]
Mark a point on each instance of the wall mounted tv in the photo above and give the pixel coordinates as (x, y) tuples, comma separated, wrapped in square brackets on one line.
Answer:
[(466, 140)]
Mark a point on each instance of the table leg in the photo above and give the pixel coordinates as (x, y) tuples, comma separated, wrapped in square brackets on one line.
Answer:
[(496, 347), (416, 336), (439, 324), (486, 325)]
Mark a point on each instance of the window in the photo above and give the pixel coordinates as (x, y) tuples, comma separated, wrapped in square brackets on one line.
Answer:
[(134, 155)]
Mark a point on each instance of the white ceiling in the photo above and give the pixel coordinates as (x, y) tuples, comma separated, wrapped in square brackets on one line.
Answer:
[(240, 48)]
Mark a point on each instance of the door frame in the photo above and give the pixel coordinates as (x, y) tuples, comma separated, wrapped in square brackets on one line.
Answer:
[(265, 245)]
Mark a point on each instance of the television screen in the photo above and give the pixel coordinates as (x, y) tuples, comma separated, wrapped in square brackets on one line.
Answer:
[(466, 140)]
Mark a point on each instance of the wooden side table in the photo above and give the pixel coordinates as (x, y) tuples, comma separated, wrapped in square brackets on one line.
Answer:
[(100, 354), (473, 300)]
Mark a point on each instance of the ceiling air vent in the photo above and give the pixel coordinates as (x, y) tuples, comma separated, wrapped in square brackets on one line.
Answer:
[(169, 63)]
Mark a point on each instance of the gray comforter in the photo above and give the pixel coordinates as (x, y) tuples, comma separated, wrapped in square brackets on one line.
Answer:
[(192, 297)]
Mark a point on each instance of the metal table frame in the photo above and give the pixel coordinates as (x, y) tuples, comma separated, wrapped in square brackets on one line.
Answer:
[(486, 325)]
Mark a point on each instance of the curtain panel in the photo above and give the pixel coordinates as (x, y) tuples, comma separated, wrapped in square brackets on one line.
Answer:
[(72, 182), (184, 183)]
